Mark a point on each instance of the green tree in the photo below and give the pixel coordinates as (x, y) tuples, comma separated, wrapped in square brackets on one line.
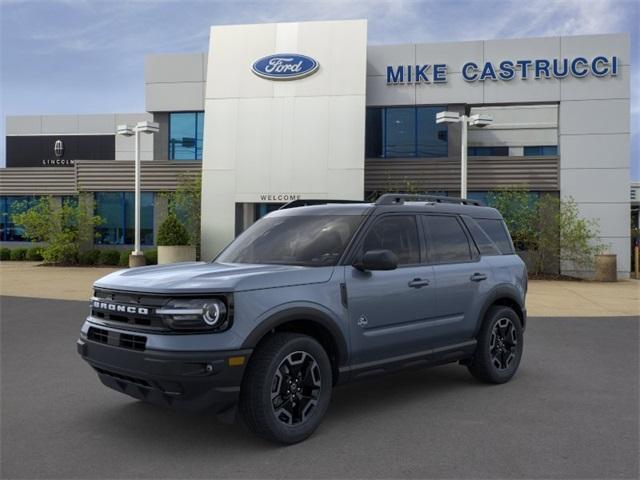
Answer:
[(185, 204), (519, 212), (549, 229), (62, 227)]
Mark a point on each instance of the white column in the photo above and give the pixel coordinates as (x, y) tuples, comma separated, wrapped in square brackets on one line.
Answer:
[(136, 250), (463, 156)]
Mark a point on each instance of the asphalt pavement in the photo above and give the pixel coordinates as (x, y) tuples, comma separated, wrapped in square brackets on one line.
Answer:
[(570, 412)]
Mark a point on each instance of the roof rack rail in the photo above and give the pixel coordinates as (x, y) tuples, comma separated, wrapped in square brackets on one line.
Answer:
[(307, 202), (400, 198)]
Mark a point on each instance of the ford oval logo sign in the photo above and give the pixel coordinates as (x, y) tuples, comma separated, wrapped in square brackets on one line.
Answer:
[(285, 66)]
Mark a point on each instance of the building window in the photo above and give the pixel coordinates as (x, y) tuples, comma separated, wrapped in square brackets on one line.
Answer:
[(185, 135), (405, 132), (9, 206), (541, 151), (488, 151), (117, 212)]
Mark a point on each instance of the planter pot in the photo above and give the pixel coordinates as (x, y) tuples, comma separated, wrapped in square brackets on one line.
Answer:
[(606, 268), (176, 253)]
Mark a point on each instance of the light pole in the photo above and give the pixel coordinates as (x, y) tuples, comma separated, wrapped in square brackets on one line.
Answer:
[(478, 120), (136, 259)]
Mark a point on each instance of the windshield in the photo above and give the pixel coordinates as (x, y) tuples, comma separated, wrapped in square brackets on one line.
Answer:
[(308, 240)]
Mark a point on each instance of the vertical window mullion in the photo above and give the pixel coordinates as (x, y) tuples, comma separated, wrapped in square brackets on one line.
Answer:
[(170, 153), (123, 207), (5, 218), (415, 132), (384, 132)]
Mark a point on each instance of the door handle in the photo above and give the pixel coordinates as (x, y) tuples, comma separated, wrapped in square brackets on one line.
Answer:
[(478, 277), (418, 283)]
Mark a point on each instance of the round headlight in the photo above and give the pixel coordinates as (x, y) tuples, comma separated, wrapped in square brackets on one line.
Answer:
[(213, 313)]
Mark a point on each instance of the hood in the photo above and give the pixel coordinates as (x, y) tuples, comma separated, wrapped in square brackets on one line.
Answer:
[(200, 277)]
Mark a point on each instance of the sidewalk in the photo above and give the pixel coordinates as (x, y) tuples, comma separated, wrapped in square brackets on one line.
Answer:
[(30, 279), (583, 299), (545, 298)]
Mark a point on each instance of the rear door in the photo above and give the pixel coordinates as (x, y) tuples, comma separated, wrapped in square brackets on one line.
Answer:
[(461, 277)]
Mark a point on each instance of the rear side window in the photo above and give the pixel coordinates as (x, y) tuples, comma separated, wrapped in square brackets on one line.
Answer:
[(447, 241), (497, 232), (484, 243), (398, 233)]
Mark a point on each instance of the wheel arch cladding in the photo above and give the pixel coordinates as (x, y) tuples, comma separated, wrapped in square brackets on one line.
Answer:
[(307, 321), (506, 296)]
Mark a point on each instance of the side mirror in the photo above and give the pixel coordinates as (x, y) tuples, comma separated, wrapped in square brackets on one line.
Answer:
[(377, 260)]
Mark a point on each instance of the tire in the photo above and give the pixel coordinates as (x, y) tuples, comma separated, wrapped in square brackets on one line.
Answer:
[(500, 345), (296, 369)]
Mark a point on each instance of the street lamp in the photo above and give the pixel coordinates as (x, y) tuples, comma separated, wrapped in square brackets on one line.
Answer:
[(136, 259), (477, 120)]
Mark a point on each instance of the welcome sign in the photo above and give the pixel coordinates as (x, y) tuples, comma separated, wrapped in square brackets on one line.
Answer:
[(507, 70)]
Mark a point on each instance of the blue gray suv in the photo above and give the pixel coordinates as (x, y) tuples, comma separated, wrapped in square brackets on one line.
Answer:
[(310, 297)]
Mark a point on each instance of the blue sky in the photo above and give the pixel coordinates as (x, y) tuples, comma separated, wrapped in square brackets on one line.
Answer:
[(84, 56)]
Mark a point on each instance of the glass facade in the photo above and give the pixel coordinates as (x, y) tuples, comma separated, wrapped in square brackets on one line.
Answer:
[(10, 205), (541, 151), (185, 135), (488, 151), (405, 132), (484, 197), (117, 212)]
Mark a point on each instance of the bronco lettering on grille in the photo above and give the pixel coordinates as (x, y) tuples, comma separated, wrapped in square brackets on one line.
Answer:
[(113, 307)]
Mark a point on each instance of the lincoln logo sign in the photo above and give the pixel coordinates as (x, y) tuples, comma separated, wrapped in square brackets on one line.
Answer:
[(506, 70), (58, 148), (285, 66)]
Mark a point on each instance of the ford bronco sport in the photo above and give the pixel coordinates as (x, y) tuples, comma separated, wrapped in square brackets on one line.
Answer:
[(310, 297)]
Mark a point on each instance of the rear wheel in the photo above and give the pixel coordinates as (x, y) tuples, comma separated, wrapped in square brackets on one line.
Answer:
[(287, 388), (500, 345)]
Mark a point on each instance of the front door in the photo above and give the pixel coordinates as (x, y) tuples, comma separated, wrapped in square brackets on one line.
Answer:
[(389, 311)]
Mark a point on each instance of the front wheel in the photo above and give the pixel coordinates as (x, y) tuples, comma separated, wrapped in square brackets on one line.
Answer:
[(500, 344), (287, 388)]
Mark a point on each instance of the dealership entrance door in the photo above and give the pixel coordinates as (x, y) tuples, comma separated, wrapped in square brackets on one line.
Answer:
[(248, 213)]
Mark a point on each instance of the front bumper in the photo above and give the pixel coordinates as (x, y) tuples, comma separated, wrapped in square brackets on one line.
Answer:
[(187, 380)]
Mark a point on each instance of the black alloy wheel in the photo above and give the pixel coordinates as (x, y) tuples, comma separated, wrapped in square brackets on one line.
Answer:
[(503, 344), (286, 388), (500, 346), (295, 388)]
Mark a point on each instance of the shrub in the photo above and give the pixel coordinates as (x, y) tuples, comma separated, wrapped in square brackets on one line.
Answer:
[(18, 254), (172, 232), (5, 254), (61, 253), (90, 257), (34, 254), (185, 203), (151, 257), (109, 257), (62, 228), (124, 258)]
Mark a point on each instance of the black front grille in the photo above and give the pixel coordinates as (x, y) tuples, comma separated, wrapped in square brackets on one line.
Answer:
[(123, 340), (155, 321), (125, 309)]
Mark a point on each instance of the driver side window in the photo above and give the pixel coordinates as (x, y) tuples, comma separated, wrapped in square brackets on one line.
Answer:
[(398, 233)]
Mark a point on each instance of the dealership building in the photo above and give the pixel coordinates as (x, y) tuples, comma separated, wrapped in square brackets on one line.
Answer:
[(276, 112)]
